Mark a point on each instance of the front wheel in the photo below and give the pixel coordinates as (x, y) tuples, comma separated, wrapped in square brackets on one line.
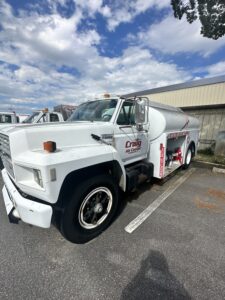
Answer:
[(90, 209)]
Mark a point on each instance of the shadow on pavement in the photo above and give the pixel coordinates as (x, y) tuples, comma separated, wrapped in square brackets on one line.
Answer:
[(154, 281)]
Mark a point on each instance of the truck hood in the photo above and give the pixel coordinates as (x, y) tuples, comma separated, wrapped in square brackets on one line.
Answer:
[(10, 126), (3, 125), (66, 135)]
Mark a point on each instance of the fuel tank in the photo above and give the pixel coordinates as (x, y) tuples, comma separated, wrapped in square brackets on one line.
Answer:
[(165, 118)]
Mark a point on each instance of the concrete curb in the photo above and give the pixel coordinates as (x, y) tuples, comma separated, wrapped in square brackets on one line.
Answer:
[(218, 170), (209, 163)]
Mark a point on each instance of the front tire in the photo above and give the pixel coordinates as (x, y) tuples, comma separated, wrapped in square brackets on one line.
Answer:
[(90, 209)]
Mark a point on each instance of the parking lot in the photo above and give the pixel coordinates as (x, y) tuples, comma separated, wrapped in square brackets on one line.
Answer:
[(178, 252)]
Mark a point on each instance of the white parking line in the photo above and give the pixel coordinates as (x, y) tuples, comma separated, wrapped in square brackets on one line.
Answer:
[(153, 206)]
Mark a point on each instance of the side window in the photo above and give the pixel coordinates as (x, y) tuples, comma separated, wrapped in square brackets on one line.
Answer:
[(8, 119), (127, 113), (54, 118)]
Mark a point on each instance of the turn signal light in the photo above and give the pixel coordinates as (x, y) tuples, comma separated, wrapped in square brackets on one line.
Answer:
[(49, 146)]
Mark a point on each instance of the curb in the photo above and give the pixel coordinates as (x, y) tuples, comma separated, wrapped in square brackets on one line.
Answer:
[(218, 170), (209, 163)]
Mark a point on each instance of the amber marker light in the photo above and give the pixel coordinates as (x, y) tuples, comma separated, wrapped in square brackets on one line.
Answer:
[(106, 95), (49, 146), (45, 110)]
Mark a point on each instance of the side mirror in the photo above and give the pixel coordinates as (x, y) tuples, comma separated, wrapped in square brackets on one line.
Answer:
[(141, 112)]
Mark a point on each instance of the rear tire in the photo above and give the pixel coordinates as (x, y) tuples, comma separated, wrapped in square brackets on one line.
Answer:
[(90, 209), (188, 157)]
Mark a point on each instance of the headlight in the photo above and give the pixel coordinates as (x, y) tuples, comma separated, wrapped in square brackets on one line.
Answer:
[(37, 177)]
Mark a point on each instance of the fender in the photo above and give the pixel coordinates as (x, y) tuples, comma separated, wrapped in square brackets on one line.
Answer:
[(117, 158), (64, 162)]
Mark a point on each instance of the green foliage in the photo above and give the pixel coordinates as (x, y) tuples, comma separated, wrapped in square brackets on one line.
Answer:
[(211, 14)]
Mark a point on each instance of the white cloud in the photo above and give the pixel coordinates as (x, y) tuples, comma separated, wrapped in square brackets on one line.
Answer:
[(44, 47), (143, 5), (216, 69), (125, 11), (27, 73), (91, 5), (137, 69), (178, 36), (50, 38)]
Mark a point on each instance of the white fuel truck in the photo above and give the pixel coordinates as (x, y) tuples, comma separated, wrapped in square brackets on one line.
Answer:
[(71, 173)]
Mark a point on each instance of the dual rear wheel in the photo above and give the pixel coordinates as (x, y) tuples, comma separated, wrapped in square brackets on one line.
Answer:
[(189, 156)]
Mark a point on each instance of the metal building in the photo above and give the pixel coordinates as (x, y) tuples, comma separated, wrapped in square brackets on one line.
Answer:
[(203, 98)]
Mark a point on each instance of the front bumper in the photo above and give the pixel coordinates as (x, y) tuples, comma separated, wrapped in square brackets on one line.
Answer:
[(27, 210)]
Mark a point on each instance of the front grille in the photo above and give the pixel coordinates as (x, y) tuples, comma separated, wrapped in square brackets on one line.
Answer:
[(4, 145), (6, 153)]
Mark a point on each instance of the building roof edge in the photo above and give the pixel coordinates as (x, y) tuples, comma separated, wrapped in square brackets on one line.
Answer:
[(179, 86)]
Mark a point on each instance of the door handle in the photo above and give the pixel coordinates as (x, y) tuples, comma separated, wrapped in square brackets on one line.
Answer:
[(125, 126)]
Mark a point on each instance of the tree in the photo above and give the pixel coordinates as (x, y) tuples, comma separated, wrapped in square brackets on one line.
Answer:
[(211, 14)]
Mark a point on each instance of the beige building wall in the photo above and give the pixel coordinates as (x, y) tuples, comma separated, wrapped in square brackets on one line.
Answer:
[(212, 94), (211, 122)]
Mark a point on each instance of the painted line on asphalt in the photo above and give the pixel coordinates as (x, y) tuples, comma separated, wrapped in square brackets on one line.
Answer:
[(154, 205)]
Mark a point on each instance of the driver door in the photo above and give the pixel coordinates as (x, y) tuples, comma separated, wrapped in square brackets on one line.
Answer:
[(131, 144)]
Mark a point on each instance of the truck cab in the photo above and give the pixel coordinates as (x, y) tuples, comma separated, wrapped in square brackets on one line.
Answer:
[(8, 118), (43, 116), (72, 174)]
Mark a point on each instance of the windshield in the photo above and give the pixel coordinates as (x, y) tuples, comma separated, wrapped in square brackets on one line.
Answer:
[(99, 110), (5, 119), (31, 118)]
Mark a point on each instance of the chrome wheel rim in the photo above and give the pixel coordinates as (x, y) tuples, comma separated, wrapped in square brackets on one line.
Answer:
[(95, 208), (188, 159)]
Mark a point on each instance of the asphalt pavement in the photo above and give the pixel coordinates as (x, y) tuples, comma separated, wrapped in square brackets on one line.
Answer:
[(178, 252)]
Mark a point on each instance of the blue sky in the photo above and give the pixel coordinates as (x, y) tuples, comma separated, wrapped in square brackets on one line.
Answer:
[(68, 51)]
